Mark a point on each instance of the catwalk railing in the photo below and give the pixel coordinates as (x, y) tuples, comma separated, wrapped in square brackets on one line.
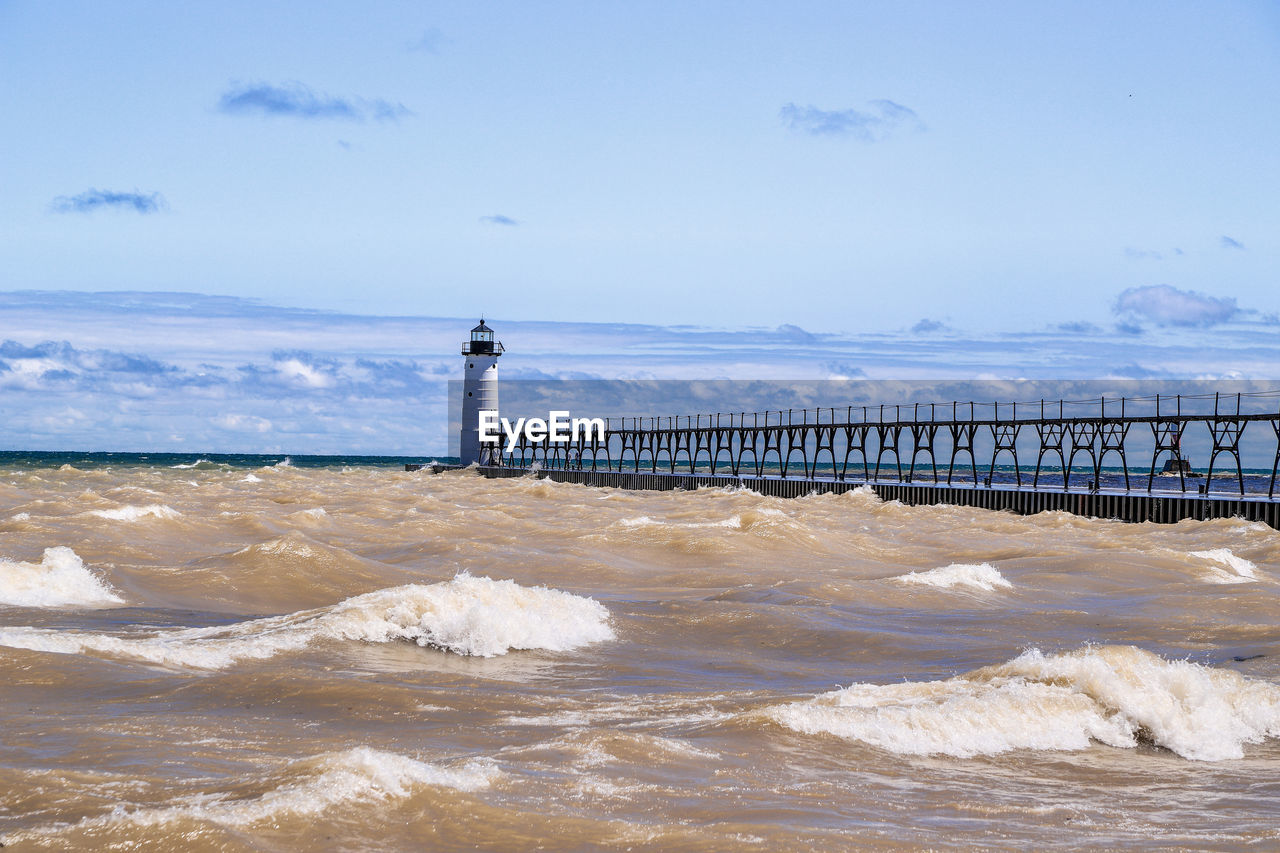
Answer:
[(979, 444)]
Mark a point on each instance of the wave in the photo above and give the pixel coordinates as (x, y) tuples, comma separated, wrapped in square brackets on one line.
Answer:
[(200, 465), (690, 533), (130, 513), (733, 521), (982, 576), (467, 615), (60, 579), (1115, 695), (1240, 569), (250, 478), (306, 787)]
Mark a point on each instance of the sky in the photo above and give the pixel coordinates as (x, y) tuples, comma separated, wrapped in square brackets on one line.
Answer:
[(824, 189)]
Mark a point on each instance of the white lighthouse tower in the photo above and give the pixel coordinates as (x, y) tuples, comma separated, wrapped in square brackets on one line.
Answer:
[(479, 392)]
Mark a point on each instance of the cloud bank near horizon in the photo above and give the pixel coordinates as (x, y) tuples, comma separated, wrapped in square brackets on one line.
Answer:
[(183, 371)]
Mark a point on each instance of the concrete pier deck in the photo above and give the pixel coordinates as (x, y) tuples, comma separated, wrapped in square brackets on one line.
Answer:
[(1165, 507)]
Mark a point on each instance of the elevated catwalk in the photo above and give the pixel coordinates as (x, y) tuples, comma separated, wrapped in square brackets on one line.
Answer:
[(965, 454)]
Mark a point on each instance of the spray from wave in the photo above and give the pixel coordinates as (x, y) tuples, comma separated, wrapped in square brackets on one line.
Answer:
[(60, 579), (982, 576), (466, 615), (1116, 695)]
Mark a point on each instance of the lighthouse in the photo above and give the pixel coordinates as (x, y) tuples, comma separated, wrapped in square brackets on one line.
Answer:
[(479, 392)]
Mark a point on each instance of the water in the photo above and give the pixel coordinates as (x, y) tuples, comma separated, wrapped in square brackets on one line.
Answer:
[(234, 655)]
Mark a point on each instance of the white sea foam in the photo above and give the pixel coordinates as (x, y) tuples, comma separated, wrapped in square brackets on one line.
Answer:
[(467, 615), (734, 522), (60, 579), (306, 787), (22, 516), (250, 478), (981, 576), (357, 775), (130, 513), (1229, 568), (1116, 695)]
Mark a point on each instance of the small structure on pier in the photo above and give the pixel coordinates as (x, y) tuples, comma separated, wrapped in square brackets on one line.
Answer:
[(1178, 465)]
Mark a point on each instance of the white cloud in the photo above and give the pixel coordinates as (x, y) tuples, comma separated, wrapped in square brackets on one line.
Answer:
[(1169, 306), (304, 374), (243, 423)]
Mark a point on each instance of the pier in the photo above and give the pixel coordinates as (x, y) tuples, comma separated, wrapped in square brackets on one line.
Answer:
[(1118, 458), (1157, 507)]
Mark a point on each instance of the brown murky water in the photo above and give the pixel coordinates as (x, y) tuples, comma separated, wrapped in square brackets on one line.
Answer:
[(219, 658)]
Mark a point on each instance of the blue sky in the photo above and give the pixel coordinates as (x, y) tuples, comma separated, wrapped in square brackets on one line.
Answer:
[(1000, 188), (705, 163)]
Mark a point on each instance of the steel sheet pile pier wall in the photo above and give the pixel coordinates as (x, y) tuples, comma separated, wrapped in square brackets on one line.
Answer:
[(1121, 506)]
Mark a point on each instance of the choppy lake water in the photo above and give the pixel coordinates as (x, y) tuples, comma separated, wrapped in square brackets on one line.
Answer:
[(227, 657)]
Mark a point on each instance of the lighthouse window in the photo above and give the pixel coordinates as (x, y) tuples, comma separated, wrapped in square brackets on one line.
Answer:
[(468, 393), (471, 364)]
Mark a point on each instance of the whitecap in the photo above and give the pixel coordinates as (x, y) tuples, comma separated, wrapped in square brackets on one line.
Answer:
[(981, 576), (60, 579), (306, 787), (733, 522), (1115, 695), (250, 478), (130, 513), (467, 615), (1229, 568), (201, 463)]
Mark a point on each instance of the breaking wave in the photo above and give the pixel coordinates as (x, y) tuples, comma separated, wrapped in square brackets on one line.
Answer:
[(982, 576), (130, 513), (1228, 567), (466, 615), (305, 787), (734, 522), (200, 465), (60, 579), (1116, 695)]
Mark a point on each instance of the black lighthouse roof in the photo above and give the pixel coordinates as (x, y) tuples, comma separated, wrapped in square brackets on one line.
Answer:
[(482, 342)]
